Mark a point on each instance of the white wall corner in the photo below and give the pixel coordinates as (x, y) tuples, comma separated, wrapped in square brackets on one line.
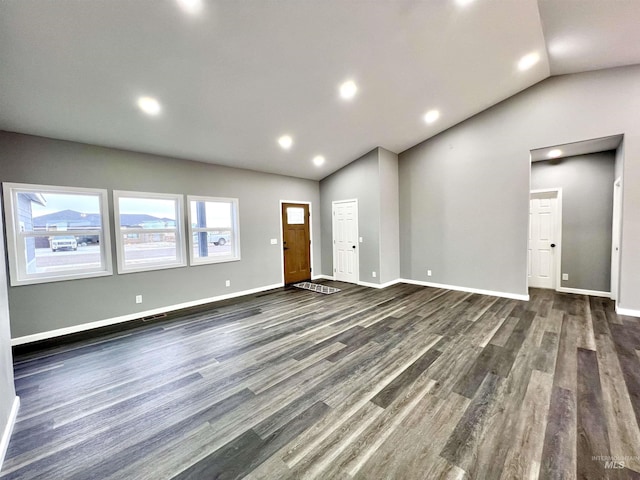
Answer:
[(581, 291), (8, 429), (627, 311), (492, 293), (379, 285)]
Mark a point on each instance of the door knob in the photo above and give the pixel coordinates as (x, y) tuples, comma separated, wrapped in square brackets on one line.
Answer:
[(353, 246), (553, 245)]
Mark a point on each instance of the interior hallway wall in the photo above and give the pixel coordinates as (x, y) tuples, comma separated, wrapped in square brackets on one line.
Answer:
[(464, 194), (587, 215)]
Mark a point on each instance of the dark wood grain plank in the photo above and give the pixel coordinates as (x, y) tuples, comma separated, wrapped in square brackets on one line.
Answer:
[(592, 436), (404, 382)]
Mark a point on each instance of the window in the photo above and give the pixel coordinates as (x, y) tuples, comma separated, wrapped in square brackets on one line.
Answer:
[(213, 230), (56, 233), (150, 231)]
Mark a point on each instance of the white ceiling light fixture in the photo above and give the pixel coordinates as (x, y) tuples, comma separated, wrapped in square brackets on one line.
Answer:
[(192, 7), (555, 153), (149, 105), (285, 141), (528, 61), (348, 90), (431, 116), (318, 160), (464, 3)]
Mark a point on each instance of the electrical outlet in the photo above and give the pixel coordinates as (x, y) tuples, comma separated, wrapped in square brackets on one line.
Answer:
[(373, 274), (565, 276), (274, 241), (227, 283), (138, 298), (428, 273)]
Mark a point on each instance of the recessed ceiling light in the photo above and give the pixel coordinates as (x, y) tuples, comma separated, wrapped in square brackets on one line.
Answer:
[(149, 105), (463, 3), (431, 116), (285, 142), (555, 153), (528, 61), (191, 6), (318, 160), (348, 90)]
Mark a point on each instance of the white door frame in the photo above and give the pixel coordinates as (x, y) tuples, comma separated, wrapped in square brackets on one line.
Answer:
[(558, 233), (310, 236), (333, 236), (616, 242)]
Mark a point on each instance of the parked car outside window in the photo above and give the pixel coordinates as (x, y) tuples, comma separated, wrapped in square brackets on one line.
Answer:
[(219, 239), (64, 242)]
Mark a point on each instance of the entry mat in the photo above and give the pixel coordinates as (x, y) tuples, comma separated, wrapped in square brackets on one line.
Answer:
[(317, 287)]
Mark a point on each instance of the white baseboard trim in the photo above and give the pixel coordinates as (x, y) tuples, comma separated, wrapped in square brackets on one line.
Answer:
[(580, 291), (380, 285), (513, 296), (134, 316), (627, 311), (321, 277), (8, 429)]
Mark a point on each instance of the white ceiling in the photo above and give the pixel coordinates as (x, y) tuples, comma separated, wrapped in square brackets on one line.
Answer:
[(239, 74), (584, 35), (595, 145)]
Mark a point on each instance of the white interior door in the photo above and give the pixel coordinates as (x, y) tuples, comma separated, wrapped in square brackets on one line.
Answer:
[(345, 241), (542, 237), (615, 238)]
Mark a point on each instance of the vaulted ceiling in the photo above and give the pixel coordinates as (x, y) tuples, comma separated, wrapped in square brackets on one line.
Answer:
[(232, 77)]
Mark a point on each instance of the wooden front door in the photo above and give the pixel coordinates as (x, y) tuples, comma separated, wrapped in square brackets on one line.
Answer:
[(296, 242)]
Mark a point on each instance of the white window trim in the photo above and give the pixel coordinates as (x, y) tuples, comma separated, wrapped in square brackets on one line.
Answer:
[(17, 264), (235, 227), (179, 231)]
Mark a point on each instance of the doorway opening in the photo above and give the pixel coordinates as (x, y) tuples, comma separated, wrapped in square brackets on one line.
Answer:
[(573, 217), (296, 241), (345, 241), (616, 237)]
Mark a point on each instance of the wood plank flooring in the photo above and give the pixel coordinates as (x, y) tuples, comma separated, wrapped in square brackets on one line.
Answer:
[(407, 382)]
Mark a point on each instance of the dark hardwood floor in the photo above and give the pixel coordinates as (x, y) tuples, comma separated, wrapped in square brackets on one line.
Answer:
[(407, 382)]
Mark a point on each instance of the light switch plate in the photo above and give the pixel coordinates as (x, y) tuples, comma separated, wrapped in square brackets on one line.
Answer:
[(274, 241), (360, 239)]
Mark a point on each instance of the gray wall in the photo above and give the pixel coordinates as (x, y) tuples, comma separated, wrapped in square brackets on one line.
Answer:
[(360, 179), (587, 211), (44, 307), (389, 216), (464, 194), (7, 391)]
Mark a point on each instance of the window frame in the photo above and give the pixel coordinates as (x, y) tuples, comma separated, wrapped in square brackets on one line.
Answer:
[(18, 274), (181, 260), (235, 228)]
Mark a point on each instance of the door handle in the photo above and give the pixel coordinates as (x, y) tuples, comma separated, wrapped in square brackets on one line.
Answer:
[(553, 245), (285, 248)]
